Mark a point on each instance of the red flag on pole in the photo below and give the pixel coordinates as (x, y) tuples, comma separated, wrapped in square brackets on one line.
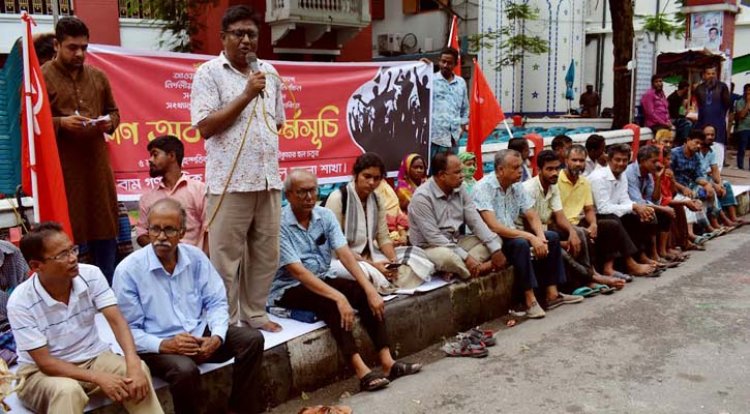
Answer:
[(484, 115), (453, 42), (41, 173)]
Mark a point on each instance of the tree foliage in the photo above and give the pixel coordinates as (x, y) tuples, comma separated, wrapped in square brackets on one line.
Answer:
[(511, 39), (178, 18), (665, 24)]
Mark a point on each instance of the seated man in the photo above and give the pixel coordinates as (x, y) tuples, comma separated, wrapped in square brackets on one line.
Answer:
[(596, 148), (603, 235), (560, 146), (13, 271), (689, 172), (725, 199), (61, 354), (439, 211), (610, 190), (545, 195), (309, 237), (522, 146), (165, 161), (176, 305), (644, 190), (535, 256)]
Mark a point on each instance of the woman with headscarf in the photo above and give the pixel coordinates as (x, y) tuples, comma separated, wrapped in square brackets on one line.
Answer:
[(468, 167), (410, 176)]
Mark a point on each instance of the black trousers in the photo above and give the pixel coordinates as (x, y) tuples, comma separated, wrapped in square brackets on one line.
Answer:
[(612, 240), (299, 297), (244, 344)]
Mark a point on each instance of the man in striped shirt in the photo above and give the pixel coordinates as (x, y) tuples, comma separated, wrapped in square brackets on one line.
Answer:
[(61, 356)]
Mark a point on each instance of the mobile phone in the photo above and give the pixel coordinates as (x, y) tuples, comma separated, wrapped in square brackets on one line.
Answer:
[(391, 266)]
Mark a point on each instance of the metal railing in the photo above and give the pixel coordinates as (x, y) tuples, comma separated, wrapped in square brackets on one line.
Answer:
[(35, 7), (345, 10)]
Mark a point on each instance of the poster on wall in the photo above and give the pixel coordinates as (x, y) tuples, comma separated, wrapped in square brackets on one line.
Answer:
[(334, 113), (706, 30)]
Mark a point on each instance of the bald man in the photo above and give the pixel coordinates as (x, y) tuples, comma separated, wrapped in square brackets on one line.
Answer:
[(174, 336)]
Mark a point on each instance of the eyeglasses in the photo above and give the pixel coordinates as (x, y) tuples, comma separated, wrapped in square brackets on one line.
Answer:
[(304, 193), (240, 33), (64, 255), (155, 231)]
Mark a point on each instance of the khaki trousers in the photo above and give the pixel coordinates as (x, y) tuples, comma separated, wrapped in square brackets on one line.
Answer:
[(244, 244), (44, 394), (446, 260)]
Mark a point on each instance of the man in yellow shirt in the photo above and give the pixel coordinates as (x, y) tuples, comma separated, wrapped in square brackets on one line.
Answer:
[(578, 207)]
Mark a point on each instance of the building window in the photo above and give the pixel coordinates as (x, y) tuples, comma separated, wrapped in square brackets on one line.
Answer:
[(418, 6), (34, 7)]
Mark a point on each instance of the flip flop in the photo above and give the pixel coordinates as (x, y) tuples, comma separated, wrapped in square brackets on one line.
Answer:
[(373, 382), (604, 289), (655, 273), (700, 240), (401, 369), (585, 291), (624, 276)]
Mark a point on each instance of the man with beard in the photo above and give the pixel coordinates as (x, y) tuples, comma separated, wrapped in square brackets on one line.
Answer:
[(724, 193), (165, 162), (714, 101), (83, 110), (607, 236)]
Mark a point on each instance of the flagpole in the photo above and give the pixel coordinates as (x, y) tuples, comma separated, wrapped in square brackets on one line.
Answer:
[(29, 112), (507, 128)]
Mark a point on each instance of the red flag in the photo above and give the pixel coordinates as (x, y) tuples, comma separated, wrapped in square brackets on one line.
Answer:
[(484, 115), (50, 202), (453, 42)]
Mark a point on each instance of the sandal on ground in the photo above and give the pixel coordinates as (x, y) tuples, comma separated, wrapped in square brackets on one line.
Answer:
[(484, 335), (603, 289), (586, 292), (656, 273), (624, 276), (373, 382), (702, 239), (464, 347), (401, 369), (326, 409), (697, 247)]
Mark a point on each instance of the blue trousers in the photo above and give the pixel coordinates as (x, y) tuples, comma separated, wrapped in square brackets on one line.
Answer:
[(530, 274), (743, 141), (435, 149), (103, 255)]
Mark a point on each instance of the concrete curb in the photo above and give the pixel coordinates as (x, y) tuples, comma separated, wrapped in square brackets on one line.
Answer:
[(313, 361)]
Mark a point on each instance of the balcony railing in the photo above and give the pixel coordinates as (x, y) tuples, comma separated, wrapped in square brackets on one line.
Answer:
[(35, 7), (317, 16)]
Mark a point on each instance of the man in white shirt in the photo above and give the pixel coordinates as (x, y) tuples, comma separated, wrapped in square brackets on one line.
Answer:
[(610, 189), (239, 112), (61, 354)]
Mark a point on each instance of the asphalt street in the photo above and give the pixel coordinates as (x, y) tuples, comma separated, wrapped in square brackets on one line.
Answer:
[(675, 344)]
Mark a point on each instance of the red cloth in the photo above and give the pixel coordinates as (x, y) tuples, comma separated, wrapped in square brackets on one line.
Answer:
[(50, 196), (484, 115), (453, 42), (666, 191)]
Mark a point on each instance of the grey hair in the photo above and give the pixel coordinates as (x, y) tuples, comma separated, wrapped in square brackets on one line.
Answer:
[(502, 156), (170, 204), (295, 174), (577, 148)]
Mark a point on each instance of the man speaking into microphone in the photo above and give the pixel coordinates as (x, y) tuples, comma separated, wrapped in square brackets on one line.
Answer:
[(236, 104)]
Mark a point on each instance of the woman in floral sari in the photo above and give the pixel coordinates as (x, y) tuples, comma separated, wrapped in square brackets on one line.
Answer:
[(410, 176)]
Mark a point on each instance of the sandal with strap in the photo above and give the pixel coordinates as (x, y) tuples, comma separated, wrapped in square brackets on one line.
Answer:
[(604, 289), (464, 347), (373, 382), (401, 369), (484, 335)]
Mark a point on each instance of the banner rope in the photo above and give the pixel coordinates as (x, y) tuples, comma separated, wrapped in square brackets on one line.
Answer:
[(259, 98)]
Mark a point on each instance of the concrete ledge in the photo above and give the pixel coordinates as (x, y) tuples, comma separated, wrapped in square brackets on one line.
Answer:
[(312, 361)]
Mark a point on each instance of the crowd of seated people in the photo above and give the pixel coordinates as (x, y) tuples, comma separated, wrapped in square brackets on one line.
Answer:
[(587, 223)]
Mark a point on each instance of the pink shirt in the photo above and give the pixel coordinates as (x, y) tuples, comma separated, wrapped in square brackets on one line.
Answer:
[(192, 195), (655, 108)]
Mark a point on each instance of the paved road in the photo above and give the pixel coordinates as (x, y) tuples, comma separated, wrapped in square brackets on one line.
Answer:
[(676, 344)]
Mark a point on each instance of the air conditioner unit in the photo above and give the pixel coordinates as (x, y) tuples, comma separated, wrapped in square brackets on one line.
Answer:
[(389, 43)]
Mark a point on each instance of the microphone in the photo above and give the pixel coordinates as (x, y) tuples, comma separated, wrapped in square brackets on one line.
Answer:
[(252, 61)]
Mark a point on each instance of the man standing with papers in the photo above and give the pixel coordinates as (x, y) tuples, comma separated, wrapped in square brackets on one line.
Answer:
[(83, 110)]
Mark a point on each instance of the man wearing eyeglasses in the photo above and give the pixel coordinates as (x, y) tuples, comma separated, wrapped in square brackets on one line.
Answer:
[(176, 306), (238, 109), (61, 356)]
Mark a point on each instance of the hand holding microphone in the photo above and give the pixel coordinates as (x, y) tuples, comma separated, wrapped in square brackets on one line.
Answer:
[(256, 82)]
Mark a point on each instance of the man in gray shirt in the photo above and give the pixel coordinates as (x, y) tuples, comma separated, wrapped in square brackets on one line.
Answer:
[(438, 212)]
